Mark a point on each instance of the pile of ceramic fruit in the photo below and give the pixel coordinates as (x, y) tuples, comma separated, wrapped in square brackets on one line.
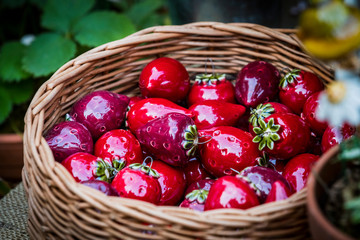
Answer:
[(212, 144)]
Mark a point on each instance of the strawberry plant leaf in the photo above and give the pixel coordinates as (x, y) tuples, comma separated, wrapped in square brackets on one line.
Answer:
[(142, 11), (101, 27), (11, 54), (5, 104), (47, 53), (61, 15), (20, 92)]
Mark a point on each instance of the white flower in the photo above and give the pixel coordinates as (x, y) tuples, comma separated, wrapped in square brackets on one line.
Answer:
[(340, 103), (27, 39)]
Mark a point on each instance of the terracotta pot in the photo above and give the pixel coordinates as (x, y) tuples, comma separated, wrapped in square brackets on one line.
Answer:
[(329, 172), (11, 156)]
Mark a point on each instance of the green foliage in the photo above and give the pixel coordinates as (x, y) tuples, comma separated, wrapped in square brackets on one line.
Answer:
[(65, 29)]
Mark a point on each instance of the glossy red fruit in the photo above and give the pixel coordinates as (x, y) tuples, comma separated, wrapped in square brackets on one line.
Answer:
[(335, 135), (100, 111), (194, 171), (133, 100), (309, 115), (172, 181), (265, 110), (120, 147), (85, 166), (279, 191), (164, 78), (148, 109), (66, 138), (229, 148), (297, 170), (101, 186), (262, 178), (282, 135), (211, 87), (256, 83), (208, 114), (196, 194), (172, 138), (296, 87), (231, 192), (273, 163), (138, 181)]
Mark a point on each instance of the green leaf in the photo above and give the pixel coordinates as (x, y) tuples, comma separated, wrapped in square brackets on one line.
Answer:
[(143, 10), (101, 27), (61, 15), (5, 104), (20, 92), (47, 53), (11, 54), (12, 3)]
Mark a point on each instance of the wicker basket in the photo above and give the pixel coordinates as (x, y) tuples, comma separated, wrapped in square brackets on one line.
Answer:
[(60, 208)]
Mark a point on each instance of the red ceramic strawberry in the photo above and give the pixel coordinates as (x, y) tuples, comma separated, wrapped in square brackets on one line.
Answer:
[(211, 113), (164, 78), (172, 138), (138, 181), (296, 87), (229, 148), (133, 100), (120, 147), (85, 166), (309, 115), (196, 194), (100, 111), (211, 87), (231, 192), (194, 171), (148, 109), (256, 83), (297, 170), (279, 191), (172, 181), (101, 186), (335, 135), (282, 135), (262, 178), (66, 138)]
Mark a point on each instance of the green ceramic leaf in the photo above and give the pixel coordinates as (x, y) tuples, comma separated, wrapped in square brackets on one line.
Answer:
[(61, 15), (47, 53), (11, 69), (101, 27)]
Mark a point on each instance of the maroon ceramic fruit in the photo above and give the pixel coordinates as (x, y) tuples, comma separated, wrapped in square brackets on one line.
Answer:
[(148, 109), (211, 87), (282, 135), (138, 181), (164, 78), (297, 170), (100, 111), (262, 178), (66, 138), (85, 166), (172, 181), (196, 194), (194, 171), (296, 87), (309, 114), (211, 113), (120, 147), (133, 100), (256, 83), (279, 191), (101, 186), (172, 138), (335, 135), (231, 192), (228, 149)]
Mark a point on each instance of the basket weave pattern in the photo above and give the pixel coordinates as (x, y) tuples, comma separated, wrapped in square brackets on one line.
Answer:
[(60, 208)]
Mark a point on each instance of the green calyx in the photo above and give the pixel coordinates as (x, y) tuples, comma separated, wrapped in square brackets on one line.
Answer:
[(289, 78), (250, 183), (266, 134), (118, 163), (209, 79), (145, 169), (261, 111), (191, 140), (104, 171), (199, 195)]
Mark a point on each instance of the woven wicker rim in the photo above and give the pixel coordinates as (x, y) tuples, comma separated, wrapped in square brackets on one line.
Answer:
[(55, 198)]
